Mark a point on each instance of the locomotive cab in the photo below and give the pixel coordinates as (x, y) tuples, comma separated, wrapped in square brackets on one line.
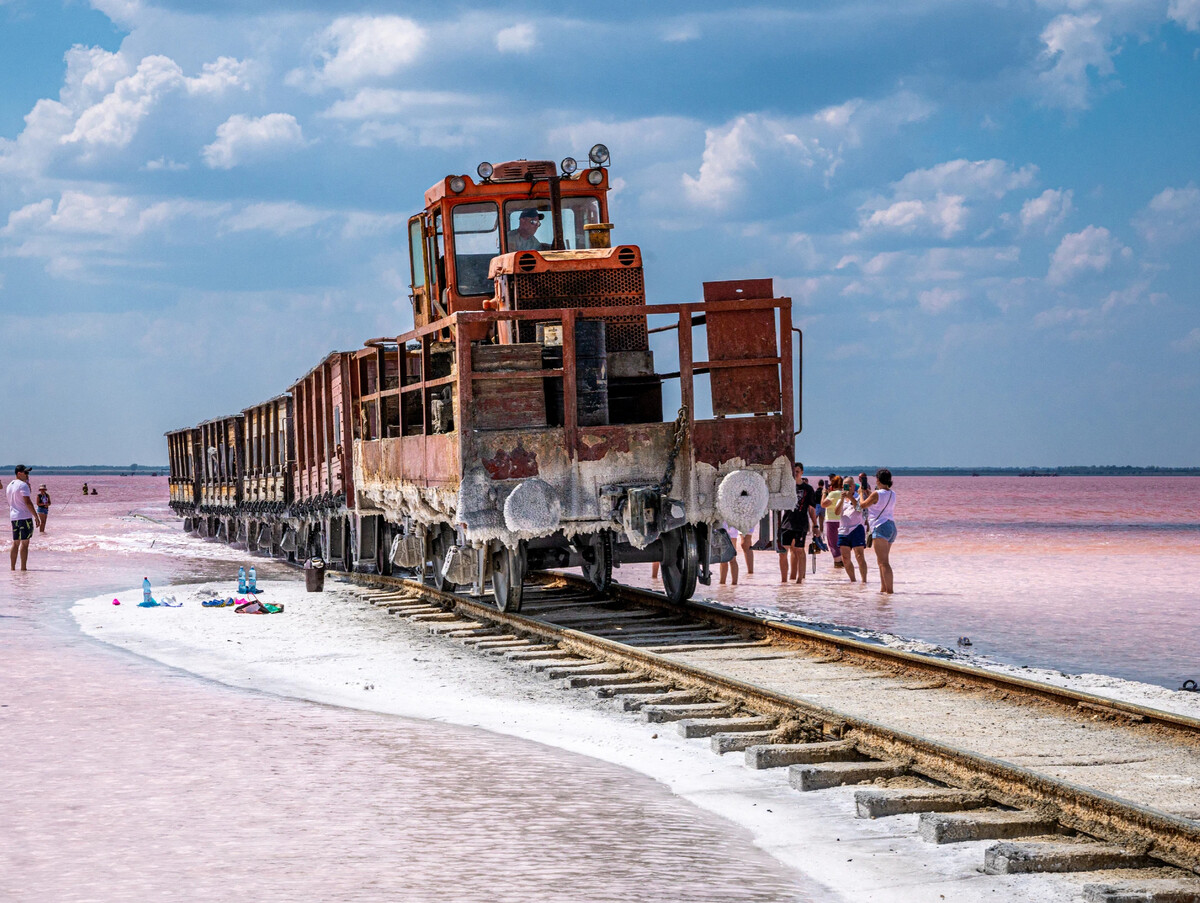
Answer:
[(466, 224)]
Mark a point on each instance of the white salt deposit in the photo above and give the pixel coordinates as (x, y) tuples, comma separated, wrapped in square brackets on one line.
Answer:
[(334, 649), (742, 499)]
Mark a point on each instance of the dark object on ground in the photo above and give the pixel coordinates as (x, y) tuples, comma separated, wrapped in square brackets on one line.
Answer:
[(314, 575)]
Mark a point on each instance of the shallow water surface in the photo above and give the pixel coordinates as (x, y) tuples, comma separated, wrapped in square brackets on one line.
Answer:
[(1078, 574), (125, 780)]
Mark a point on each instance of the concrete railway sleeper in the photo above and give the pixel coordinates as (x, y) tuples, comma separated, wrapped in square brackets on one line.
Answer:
[(1040, 824)]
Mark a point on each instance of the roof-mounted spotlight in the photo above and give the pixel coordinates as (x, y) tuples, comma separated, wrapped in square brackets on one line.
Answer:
[(595, 176), (598, 154), (458, 184), (484, 170), (569, 165)]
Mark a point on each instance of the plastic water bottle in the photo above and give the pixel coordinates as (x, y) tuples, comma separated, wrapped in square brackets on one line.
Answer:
[(253, 587), (241, 580), (146, 597)]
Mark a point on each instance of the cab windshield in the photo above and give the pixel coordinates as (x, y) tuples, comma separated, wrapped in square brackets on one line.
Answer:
[(476, 229), (576, 213)]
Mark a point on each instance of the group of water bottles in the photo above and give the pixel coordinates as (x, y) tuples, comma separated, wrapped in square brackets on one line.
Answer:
[(246, 584)]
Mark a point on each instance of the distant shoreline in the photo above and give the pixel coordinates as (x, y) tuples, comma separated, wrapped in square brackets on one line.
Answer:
[(90, 470), (145, 470), (1074, 471)]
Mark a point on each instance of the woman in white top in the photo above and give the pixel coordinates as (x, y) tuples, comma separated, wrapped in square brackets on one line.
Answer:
[(852, 530), (881, 508)]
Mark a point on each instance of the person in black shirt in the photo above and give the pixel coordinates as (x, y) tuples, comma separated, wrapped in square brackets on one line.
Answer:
[(793, 530)]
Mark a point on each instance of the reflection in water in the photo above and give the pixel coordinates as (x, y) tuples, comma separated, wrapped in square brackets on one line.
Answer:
[(124, 780)]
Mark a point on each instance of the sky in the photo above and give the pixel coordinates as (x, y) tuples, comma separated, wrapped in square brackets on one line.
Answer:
[(985, 213)]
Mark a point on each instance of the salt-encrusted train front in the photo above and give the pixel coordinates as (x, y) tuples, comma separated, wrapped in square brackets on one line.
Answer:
[(520, 424)]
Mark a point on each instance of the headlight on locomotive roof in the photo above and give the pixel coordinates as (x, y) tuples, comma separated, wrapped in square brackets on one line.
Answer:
[(569, 165), (484, 170), (595, 176), (598, 154), (458, 184)]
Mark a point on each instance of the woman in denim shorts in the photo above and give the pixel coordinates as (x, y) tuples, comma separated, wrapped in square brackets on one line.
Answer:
[(881, 507)]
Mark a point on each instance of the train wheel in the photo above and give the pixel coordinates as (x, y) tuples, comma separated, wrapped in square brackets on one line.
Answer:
[(441, 539), (680, 563), (508, 576), (597, 559), (383, 549)]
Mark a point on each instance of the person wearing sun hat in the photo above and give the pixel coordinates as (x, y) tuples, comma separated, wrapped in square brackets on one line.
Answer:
[(43, 506), (523, 238), (22, 514)]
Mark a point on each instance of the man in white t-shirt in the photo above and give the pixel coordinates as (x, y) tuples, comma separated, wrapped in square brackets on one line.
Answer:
[(23, 515)]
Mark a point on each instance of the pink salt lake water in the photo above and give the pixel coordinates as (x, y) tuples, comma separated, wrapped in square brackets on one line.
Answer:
[(124, 779), (1076, 574)]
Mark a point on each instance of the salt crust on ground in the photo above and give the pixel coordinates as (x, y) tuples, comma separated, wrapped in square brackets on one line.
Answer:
[(334, 649)]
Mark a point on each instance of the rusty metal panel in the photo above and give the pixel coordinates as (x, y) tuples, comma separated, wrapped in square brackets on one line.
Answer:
[(741, 335), (442, 465), (756, 440)]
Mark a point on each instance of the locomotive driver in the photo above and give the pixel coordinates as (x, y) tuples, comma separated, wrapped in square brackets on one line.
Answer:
[(523, 238)]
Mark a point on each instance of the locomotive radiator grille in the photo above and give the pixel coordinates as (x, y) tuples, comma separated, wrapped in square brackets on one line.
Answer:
[(587, 288)]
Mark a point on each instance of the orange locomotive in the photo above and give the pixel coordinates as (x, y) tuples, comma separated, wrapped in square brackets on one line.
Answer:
[(519, 425)]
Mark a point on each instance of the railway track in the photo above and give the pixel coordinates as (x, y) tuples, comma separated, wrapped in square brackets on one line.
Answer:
[(746, 685)]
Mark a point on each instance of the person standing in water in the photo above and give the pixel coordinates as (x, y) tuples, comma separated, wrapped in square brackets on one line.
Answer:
[(852, 530), (794, 526), (881, 507), (43, 506), (22, 514)]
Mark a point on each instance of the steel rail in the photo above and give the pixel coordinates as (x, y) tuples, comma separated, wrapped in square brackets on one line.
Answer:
[(1168, 838), (960, 674)]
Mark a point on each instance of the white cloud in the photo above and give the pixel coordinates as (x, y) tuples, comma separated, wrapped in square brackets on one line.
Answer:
[(164, 164), (114, 120), (358, 49), (939, 300), (1074, 46), (681, 32), (92, 72), (102, 104), (521, 38), (223, 73), (383, 103), (654, 136), (944, 215), (1092, 249), (281, 218), (241, 137), (1186, 13), (1045, 212), (934, 200), (1171, 217), (755, 141), (973, 179), (1188, 342)]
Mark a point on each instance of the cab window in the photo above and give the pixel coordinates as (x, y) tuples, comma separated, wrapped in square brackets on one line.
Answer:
[(416, 246), (576, 213), (476, 229)]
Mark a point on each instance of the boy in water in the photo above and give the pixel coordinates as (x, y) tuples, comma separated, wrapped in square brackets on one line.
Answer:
[(794, 528)]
